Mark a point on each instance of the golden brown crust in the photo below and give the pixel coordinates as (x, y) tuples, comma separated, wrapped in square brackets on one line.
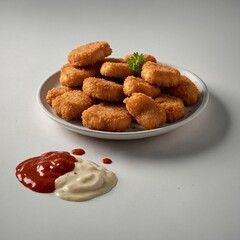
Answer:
[(109, 59), (145, 111), (103, 89), (54, 92), (138, 85), (106, 117), (89, 54), (147, 57), (173, 106), (73, 77), (70, 105), (186, 90), (117, 70), (160, 74)]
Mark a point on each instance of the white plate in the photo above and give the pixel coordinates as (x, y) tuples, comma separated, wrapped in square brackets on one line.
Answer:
[(136, 132)]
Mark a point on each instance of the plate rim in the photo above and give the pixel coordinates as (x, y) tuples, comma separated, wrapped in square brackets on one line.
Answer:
[(125, 135)]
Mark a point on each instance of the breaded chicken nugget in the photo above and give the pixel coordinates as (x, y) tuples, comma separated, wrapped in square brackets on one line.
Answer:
[(117, 70), (89, 54), (138, 85), (103, 89), (147, 57), (145, 111), (71, 104), (186, 90), (106, 117), (173, 106), (54, 92), (160, 74), (73, 77)]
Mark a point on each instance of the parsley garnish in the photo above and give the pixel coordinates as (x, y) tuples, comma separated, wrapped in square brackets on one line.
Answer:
[(136, 61)]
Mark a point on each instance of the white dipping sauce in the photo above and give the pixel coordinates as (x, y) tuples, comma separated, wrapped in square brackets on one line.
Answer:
[(86, 181)]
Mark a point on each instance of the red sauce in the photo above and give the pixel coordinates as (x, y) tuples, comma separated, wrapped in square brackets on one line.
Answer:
[(107, 161), (39, 173), (78, 151)]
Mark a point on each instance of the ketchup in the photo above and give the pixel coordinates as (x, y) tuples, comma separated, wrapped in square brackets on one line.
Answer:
[(107, 161), (78, 151), (39, 173)]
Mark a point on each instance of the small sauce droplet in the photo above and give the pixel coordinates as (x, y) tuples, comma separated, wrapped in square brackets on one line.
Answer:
[(107, 160), (78, 151)]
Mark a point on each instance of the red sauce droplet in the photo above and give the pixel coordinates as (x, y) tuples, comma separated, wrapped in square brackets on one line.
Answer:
[(39, 173), (107, 161), (78, 151)]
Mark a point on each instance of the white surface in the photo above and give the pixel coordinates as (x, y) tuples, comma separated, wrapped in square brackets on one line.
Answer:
[(135, 132), (181, 185)]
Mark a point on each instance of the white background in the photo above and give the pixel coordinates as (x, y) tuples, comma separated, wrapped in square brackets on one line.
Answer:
[(180, 185)]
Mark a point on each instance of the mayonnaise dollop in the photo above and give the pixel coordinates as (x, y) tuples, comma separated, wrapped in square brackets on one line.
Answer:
[(86, 181)]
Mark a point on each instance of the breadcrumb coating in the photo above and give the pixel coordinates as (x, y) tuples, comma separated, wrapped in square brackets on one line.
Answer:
[(106, 117), (71, 104), (103, 89), (138, 85), (54, 92), (160, 74), (89, 54), (73, 77), (145, 111), (173, 106), (117, 70), (186, 90), (109, 59)]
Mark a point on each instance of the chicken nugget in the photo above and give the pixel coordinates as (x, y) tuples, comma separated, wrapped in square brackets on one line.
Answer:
[(103, 89), (147, 57), (106, 117), (117, 70), (173, 106), (160, 74), (54, 92), (71, 104), (186, 90), (145, 111), (89, 54), (138, 85), (73, 77)]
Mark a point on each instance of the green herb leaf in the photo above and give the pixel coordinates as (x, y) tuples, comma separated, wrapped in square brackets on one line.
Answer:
[(136, 61)]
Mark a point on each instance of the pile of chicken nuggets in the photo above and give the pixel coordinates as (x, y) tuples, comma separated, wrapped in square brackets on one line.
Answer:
[(105, 94)]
